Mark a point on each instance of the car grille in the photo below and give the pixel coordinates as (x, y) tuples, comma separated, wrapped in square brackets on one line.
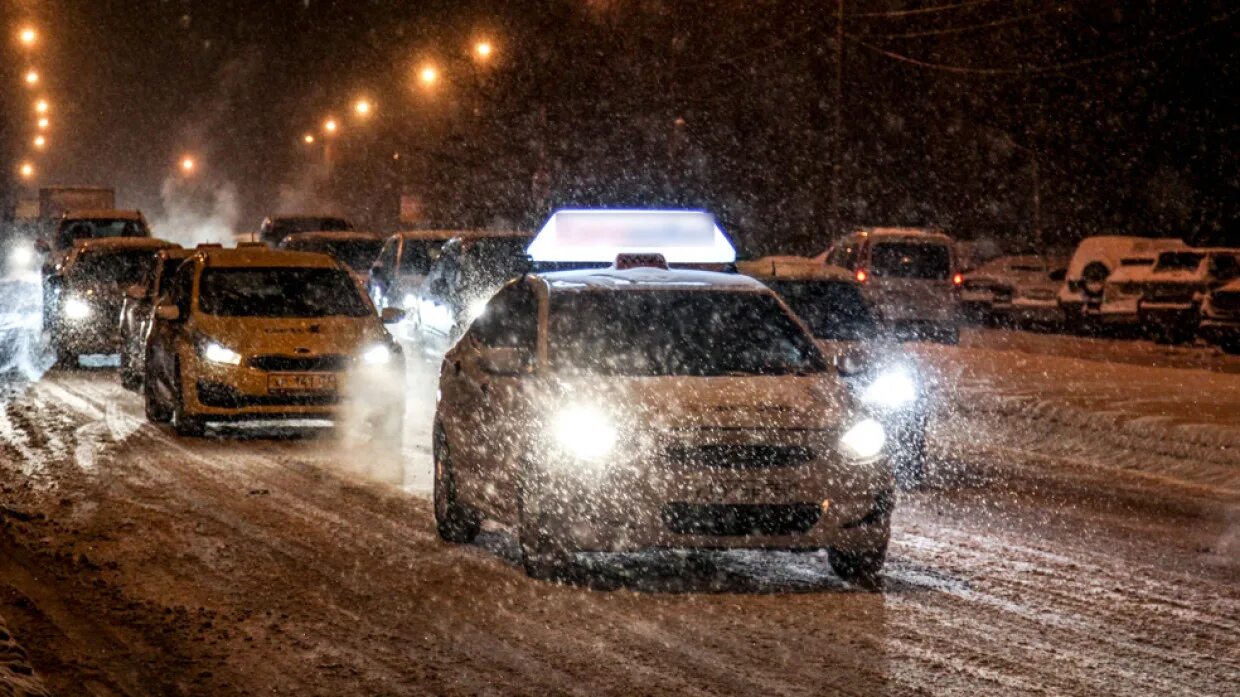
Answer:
[(739, 456), (737, 519), (225, 397), (1229, 301), (326, 363)]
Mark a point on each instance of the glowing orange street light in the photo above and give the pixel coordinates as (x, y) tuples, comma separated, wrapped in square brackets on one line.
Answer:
[(363, 107), (44, 122), (27, 36), (41, 106), (188, 164), (483, 50), (330, 126), (40, 142), (27, 170), (308, 138), (429, 75), (32, 77)]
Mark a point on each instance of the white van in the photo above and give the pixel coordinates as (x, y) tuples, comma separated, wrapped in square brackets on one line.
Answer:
[(1095, 259), (909, 278)]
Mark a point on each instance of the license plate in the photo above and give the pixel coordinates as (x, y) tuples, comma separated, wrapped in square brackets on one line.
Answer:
[(301, 382)]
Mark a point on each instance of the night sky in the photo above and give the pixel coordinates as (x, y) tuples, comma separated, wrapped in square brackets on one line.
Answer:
[(1127, 107)]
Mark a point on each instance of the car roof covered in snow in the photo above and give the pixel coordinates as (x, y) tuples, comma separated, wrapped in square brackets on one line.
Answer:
[(1110, 249), (260, 256), (927, 234), (792, 268), (611, 279), (332, 236), (103, 214), (445, 235)]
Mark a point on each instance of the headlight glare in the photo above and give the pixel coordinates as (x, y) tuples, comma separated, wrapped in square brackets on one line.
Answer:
[(378, 354), (476, 309), (584, 432), (218, 353), (891, 390), (864, 441), (76, 308)]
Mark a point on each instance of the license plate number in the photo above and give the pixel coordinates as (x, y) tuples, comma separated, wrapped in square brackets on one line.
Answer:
[(301, 382)]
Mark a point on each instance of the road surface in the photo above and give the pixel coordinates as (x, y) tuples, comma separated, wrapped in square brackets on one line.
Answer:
[(1052, 553)]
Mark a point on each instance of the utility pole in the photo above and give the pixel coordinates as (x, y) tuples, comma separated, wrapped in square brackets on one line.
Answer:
[(837, 138), (1035, 170)]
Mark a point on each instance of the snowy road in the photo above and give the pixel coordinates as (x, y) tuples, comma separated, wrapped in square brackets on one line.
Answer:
[(1063, 548)]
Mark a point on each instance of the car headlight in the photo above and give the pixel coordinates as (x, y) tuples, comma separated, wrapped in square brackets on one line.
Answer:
[(379, 354), (21, 256), (476, 309), (864, 440), (584, 432), (409, 301), (218, 353), (76, 308), (891, 390)]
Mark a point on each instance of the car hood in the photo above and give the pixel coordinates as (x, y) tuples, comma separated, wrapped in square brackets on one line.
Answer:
[(266, 335), (751, 402)]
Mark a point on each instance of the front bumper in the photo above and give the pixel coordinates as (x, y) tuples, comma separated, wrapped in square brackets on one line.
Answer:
[(667, 502), (1034, 311), (1122, 311)]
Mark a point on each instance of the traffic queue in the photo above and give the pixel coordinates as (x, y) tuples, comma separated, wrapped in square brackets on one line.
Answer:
[(617, 382)]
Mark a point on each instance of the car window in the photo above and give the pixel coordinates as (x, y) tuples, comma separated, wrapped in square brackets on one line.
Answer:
[(417, 256), (510, 319), (677, 332), (1225, 267), (180, 289), (279, 292), (911, 260)]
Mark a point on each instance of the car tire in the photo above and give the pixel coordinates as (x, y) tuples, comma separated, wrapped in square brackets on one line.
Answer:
[(130, 379), (65, 358), (455, 522), (183, 424), (156, 411), (860, 567), (543, 557)]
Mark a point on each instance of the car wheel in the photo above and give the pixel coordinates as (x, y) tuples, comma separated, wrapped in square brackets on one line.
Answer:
[(860, 567), (455, 522), (65, 358), (130, 379), (182, 423), (156, 411), (543, 556)]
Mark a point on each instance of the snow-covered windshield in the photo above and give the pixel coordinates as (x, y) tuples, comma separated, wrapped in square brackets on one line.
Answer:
[(358, 254), (677, 332), (120, 268), (279, 292), (913, 260)]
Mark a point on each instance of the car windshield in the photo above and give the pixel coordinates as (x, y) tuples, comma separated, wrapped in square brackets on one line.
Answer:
[(832, 310), (358, 254), (99, 228), (291, 226), (122, 268), (488, 262), (677, 332), (1179, 261), (280, 292), (912, 260)]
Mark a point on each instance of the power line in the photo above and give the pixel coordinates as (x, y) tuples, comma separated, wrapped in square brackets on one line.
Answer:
[(1040, 69), (961, 30), (922, 10)]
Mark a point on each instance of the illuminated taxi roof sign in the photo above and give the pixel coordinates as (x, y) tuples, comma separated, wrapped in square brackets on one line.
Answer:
[(599, 236)]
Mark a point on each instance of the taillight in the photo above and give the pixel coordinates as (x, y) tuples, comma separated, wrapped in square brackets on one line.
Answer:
[(958, 280), (862, 275)]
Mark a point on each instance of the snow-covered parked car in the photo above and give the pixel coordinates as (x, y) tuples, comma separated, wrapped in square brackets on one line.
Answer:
[(1170, 305), (621, 409), (1014, 289), (884, 376), (1220, 317), (1121, 293), (1095, 259), (909, 278)]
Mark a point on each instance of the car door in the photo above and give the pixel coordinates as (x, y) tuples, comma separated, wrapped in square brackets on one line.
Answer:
[(495, 360), (437, 315), (164, 334)]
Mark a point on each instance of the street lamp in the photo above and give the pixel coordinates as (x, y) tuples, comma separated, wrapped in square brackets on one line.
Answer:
[(27, 170), (363, 107), (330, 126), (32, 77), (41, 106), (308, 139), (428, 75), (44, 122), (40, 142), (188, 164), (27, 36), (483, 50)]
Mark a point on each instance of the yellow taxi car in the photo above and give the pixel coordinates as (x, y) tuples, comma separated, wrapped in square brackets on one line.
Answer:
[(259, 334)]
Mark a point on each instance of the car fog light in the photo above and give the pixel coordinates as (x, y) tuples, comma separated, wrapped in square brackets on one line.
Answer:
[(217, 353), (891, 390), (864, 440), (77, 309), (584, 432), (377, 355)]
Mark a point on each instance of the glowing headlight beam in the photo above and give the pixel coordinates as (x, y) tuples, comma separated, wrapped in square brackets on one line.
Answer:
[(76, 309), (377, 355), (864, 441), (891, 390), (476, 309), (217, 353), (584, 432)]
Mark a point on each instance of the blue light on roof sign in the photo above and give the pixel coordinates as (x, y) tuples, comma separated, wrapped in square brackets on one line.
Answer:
[(599, 236)]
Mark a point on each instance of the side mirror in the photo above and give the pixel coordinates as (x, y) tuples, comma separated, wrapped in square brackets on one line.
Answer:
[(42, 246), (391, 315), (168, 312), (850, 363), (505, 360), (135, 292)]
